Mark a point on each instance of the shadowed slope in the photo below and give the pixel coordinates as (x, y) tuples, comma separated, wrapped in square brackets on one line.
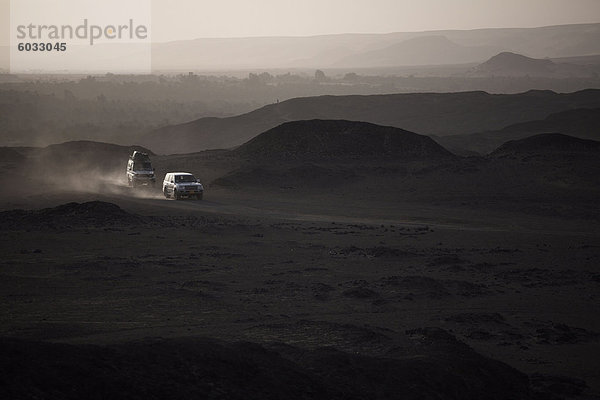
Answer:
[(438, 367), (427, 113), (330, 139), (582, 123), (548, 143)]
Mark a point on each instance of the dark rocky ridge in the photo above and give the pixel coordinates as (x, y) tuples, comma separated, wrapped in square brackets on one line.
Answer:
[(333, 139), (507, 63), (548, 143), (90, 214), (582, 123), (426, 113)]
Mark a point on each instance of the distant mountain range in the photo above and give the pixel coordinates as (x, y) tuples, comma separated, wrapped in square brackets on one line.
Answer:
[(439, 114), (354, 50), (423, 50), (368, 50), (516, 65)]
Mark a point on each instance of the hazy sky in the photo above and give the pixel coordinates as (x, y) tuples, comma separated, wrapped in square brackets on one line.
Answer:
[(186, 19)]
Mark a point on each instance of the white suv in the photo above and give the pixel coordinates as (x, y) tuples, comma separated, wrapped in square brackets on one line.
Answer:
[(182, 185)]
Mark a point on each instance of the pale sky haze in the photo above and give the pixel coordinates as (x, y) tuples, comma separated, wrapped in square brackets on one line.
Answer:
[(188, 19)]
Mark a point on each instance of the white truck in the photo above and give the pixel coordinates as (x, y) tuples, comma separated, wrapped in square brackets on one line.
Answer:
[(182, 185)]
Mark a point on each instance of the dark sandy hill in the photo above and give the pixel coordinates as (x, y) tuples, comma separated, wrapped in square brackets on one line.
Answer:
[(326, 153), (557, 171), (548, 143), (334, 139), (426, 113), (89, 214), (507, 63), (582, 123), (436, 367)]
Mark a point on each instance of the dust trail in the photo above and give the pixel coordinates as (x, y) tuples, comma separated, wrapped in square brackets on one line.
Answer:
[(98, 182), (84, 167)]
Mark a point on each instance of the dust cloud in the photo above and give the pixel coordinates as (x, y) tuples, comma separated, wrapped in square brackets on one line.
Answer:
[(81, 167)]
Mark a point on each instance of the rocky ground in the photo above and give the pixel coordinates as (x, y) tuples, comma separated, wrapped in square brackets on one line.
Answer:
[(292, 305), (344, 276)]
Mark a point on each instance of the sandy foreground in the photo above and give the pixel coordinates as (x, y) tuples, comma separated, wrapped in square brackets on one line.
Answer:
[(387, 281)]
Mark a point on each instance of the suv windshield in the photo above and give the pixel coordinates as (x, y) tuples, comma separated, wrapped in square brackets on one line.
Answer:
[(184, 178), (142, 166)]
